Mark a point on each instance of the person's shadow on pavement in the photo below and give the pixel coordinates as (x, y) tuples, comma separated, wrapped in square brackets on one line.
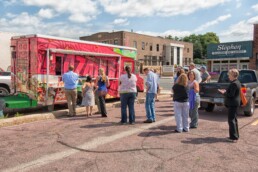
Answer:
[(204, 140)]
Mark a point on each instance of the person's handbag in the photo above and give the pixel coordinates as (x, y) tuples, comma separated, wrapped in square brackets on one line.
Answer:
[(243, 99), (102, 93)]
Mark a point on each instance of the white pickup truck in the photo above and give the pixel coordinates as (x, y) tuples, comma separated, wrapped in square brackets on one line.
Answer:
[(5, 83)]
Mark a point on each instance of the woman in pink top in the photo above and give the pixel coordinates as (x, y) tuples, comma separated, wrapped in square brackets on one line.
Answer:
[(127, 95)]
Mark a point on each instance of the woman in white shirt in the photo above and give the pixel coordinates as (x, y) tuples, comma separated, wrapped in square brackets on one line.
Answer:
[(127, 95)]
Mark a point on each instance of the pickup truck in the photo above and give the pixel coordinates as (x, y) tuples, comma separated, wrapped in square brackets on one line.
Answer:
[(210, 96), (5, 83)]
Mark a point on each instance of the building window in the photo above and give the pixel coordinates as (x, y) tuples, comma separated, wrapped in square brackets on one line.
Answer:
[(105, 42), (150, 46), (187, 50), (143, 46), (115, 42), (154, 61), (185, 61), (157, 47), (134, 44)]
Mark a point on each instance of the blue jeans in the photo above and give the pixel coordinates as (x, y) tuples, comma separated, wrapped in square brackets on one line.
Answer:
[(150, 106), (127, 99), (193, 113)]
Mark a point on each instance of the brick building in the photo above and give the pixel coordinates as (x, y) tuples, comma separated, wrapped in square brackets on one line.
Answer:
[(152, 51), (254, 60)]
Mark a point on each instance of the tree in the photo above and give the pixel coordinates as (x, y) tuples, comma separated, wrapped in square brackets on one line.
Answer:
[(208, 38), (200, 43)]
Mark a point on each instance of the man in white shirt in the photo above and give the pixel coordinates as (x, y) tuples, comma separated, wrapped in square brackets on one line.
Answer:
[(197, 73)]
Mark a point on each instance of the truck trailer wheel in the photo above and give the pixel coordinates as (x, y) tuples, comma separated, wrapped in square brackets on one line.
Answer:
[(250, 112), (4, 91), (210, 107)]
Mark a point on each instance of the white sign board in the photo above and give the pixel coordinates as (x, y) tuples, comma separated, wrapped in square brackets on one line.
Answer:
[(167, 68)]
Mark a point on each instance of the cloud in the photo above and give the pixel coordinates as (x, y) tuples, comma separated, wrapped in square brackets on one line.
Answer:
[(240, 31), (213, 22), (121, 21), (253, 20), (238, 3), (173, 33), (33, 24), (80, 11), (255, 7), (133, 8), (8, 2), (46, 13)]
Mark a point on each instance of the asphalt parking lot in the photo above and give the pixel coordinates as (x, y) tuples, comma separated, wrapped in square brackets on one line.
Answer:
[(101, 144)]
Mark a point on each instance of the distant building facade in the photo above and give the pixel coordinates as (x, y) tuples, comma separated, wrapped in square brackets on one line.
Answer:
[(239, 55), (152, 51), (224, 56)]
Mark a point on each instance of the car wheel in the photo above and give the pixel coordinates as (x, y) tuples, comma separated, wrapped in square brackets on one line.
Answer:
[(210, 107), (250, 112), (4, 91)]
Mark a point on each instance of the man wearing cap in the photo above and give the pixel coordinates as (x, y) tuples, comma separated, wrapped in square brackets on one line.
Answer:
[(197, 73), (205, 75)]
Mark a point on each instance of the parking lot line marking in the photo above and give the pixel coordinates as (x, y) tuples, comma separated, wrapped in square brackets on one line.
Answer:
[(255, 122), (87, 145)]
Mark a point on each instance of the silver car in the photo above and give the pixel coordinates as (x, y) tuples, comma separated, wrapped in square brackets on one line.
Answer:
[(5, 83)]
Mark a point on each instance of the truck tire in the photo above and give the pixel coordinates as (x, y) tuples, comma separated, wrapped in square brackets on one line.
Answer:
[(250, 112), (210, 107), (4, 91)]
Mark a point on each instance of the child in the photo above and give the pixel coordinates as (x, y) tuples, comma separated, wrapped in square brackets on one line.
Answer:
[(88, 95)]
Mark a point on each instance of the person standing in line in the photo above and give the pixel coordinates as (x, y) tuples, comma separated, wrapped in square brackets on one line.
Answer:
[(197, 73), (181, 103), (70, 80), (88, 95), (194, 99), (127, 95), (158, 88), (205, 75), (151, 91), (97, 102), (102, 83), (179, 72), (232, 102)]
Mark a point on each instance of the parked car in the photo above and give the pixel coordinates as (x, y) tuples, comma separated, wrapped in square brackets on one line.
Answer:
[(210, 95), (5, 83)]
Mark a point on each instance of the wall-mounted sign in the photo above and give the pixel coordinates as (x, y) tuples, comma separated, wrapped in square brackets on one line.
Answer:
[(230, 50)]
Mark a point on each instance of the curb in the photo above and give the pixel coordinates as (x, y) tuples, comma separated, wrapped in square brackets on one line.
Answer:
[(60, 113)]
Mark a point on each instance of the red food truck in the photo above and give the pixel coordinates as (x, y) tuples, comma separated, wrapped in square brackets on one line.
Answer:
[(39, 61)]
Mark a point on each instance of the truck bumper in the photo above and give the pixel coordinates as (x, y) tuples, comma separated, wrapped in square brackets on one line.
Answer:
[(213, 100)]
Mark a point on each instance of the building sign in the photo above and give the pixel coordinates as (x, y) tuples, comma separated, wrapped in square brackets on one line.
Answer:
[(230, 50)]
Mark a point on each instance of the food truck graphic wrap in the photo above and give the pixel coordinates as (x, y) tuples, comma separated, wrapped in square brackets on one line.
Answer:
[(38, 63)]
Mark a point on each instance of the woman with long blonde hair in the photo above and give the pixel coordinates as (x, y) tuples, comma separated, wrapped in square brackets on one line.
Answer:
[(102, 83), (194, 99), (181, 103)]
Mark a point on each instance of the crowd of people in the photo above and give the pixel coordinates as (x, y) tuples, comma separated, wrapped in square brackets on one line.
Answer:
[(186, 96)]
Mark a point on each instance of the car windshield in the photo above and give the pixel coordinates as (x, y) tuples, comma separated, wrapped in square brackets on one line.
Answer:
[(5, 73), (244, 77)]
